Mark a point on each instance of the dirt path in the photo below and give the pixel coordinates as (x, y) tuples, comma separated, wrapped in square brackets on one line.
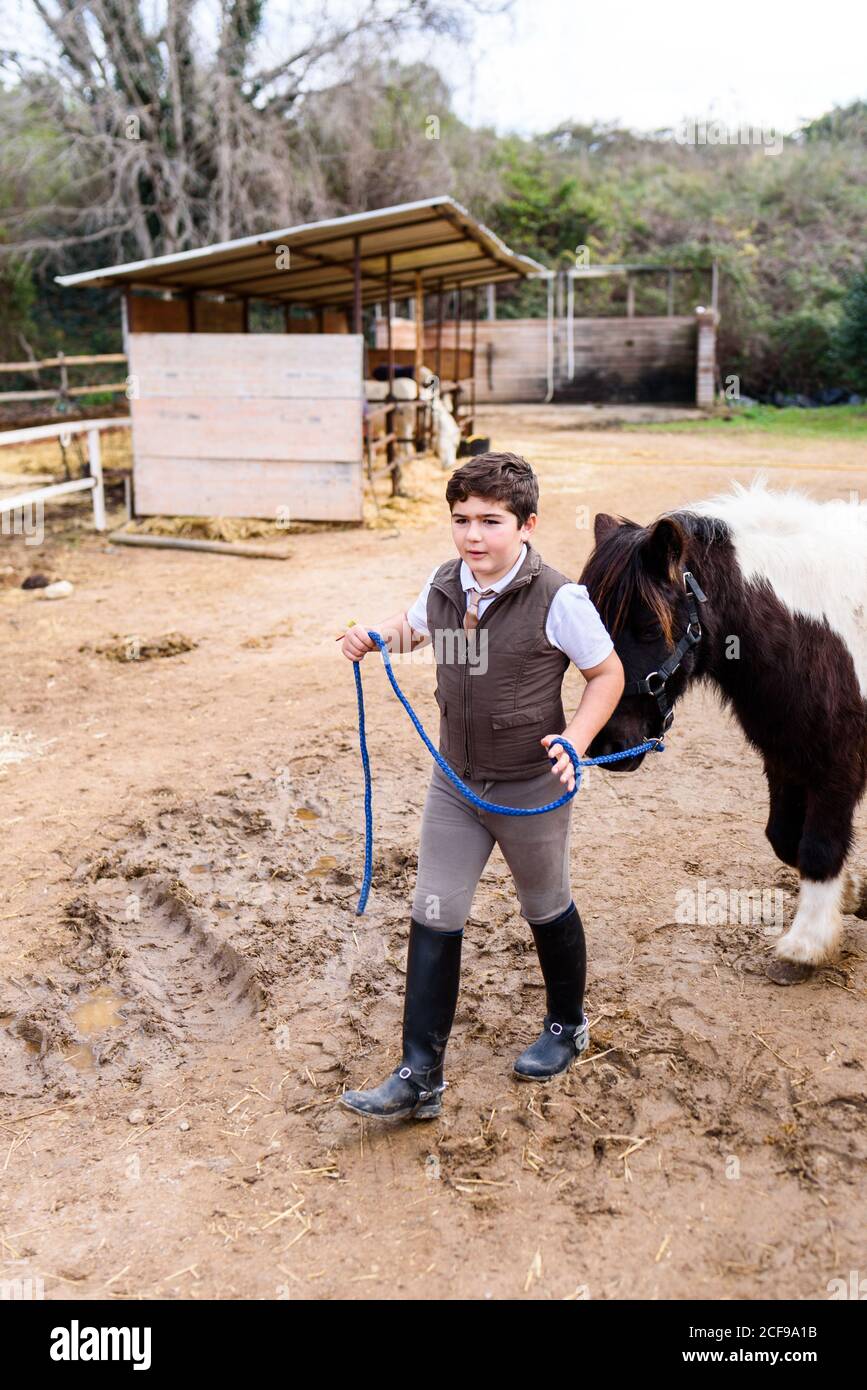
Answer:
[(186, 987)]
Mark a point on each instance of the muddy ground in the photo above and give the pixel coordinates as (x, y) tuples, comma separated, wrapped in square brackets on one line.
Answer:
[(185, 988)]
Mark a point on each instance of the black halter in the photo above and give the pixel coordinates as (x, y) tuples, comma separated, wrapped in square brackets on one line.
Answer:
[(654, 683)]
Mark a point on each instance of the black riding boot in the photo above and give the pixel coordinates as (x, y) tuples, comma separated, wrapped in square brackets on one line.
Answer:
[(433, 971), (563, 958)]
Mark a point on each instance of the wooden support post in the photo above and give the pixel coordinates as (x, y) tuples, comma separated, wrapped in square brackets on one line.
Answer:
[(245, 303), (320, 318), (630, 297), (438, 365), (419, 325), (669, 308), (492, 302), (390, 451), (356, 286), (456, 393), (473, 341), (389, 330), (420, 411), (549, 393), (124, 320)]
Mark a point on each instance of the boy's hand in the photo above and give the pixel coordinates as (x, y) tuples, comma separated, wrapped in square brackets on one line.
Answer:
[(563, 767), (357, 642)]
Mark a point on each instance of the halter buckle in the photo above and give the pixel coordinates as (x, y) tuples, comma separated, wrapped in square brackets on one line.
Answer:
[(690, 582)]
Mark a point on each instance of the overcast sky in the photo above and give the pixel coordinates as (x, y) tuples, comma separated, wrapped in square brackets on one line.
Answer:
[(644, 63), (647, 65)]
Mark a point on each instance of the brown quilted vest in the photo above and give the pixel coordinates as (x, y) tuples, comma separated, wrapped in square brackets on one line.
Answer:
[(498, 689)]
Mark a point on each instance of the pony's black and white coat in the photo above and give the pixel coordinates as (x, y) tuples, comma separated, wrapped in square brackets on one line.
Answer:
[(787, 577)]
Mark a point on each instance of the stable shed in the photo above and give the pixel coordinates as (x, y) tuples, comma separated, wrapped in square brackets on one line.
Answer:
[(233, 423)]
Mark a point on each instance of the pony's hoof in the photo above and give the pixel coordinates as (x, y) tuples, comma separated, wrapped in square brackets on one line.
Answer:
[(788, 972)]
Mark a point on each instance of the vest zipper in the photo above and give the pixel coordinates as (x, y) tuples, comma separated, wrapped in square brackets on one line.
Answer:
[(518, 583), (466, 723)]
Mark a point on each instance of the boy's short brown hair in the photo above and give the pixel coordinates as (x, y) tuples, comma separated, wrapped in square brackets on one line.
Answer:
[(507, 478)]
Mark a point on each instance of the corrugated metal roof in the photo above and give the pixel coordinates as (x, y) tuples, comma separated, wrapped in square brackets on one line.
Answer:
[(436, 238)]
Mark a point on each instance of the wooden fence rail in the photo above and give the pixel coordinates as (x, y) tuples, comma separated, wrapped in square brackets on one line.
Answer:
[(61, 363)]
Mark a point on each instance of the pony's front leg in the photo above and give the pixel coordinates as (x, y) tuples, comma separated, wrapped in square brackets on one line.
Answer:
[(814, 936), (786, 815)]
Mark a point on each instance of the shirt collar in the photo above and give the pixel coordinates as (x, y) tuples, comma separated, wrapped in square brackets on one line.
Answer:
[(468, 582)]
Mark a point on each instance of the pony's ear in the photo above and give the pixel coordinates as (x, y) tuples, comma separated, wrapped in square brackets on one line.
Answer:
[(603, 525), (665, 548)]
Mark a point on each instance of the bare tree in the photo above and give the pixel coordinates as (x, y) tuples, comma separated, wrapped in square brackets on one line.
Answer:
[(162, 142)]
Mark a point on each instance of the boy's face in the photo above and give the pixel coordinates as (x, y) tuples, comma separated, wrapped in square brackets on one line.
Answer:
[(488, 537)]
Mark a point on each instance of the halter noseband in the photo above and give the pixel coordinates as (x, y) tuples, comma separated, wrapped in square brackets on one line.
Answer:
[(654, 683)]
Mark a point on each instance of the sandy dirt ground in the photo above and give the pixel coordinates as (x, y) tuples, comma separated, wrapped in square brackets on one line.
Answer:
[(185, 988)]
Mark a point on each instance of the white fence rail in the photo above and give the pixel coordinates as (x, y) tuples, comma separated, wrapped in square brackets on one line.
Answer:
[(91, 483)]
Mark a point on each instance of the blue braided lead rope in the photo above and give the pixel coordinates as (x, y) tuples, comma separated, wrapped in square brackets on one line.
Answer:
[(652, 745)]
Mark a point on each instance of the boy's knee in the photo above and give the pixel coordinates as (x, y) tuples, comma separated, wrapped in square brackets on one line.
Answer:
[(438, 911), (541, 914)]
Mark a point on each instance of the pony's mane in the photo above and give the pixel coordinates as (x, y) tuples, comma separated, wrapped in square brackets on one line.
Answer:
[(764, 520), (760, 511), (614, 581)]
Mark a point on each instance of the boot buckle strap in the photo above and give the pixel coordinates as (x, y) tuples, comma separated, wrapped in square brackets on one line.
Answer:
[(424, 1093)]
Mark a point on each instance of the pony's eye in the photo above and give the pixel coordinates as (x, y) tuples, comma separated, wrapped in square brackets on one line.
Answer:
[(650, 633)]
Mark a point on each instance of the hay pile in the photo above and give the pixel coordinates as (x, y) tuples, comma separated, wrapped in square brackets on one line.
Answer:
[(226, 528), (136, 648)]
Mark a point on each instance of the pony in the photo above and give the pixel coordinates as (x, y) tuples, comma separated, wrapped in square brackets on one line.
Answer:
[(762, 594)]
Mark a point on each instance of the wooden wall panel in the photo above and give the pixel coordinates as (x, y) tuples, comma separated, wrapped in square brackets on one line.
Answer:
[(333, 321), (147, 314), (214, 316), (511, 358), (228, 424), (272, 490), (255, 366), (219, 427), (405, 357), (614, 357), (632, 359)]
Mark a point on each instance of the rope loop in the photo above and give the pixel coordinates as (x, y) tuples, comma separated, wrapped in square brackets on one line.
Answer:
[(653, 745)]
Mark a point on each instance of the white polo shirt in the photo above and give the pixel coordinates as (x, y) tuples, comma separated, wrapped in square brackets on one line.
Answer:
[(573, 625)]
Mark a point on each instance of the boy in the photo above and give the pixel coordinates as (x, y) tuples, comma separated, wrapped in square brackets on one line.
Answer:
[(505, 627)]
